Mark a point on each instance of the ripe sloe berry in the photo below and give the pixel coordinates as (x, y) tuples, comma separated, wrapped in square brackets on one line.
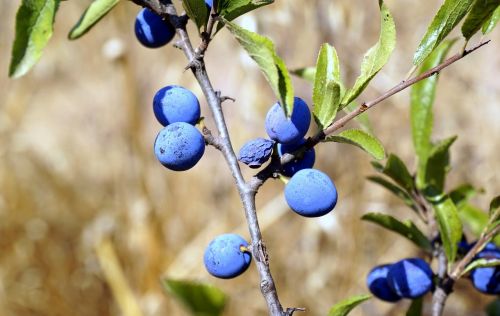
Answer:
[(378, 284), (226, 256), (176, 104), (255, 152), (487, 279), (151, 30), (410, 278), (288, 130), (179, 146), (311, 193), (307, 160)]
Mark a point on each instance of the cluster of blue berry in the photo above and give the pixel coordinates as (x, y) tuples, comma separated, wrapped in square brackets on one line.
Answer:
[(309, 192), (180, 145), (408, 278), (412, 278)]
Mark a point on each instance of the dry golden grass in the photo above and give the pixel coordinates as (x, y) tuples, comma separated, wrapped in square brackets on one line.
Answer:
[(77, 172)]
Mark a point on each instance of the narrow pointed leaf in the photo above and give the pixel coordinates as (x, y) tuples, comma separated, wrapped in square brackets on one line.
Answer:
[(450, 227), (376, 57), (448, 16), (480, 12), (344, 307), (494, 204), (377, 166), (481, 263), (472, 216), (326, 91), (490, 24), (360, 139), (199, 298), (261, 49), (406, 229), (396, 190), (463, 193), (34, 27), (198, 11), (306, 73), (422, 100), (93, 14), (396, 169), (231, 9), (437, 165), (476, 219), (416, 307)]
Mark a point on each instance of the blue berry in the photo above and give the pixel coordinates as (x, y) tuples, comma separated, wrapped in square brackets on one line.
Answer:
[(256, 152), (288, 130), (151, 30), (410, 278), (307, 160), (311, 193), (226, 256), (378, 284), (176, 104), (487, 279), (179, 146)]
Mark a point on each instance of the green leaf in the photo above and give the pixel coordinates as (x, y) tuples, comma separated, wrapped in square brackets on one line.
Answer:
[(448, 16), (480, 13), (34, 27), (327, 86), (95, 12), (199, 298), (472, 216), (490, 24), (197, 10), (422, 100), (231, 9), (306, 73), (450, 227), (376, 57), (437, 165), (476, 219), (463, 193), (344, 307), (396, 169), (398, 191), (261, 49), (481, 263), (494, 204), (406, 229), (360, 139), (493, 309), (416, 307)]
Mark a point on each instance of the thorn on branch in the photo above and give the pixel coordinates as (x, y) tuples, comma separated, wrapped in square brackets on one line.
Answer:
[(290, 310), (195, 63)]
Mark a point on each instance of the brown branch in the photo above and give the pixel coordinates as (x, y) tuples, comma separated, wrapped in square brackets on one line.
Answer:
[(197, 65)]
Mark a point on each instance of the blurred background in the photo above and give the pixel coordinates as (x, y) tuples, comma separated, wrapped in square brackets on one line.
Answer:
[(90, 221)]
